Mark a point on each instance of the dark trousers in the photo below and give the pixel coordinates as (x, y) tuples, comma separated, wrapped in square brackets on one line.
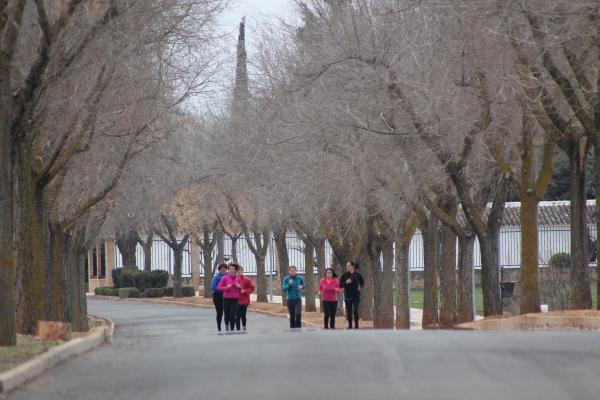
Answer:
[(330, 308), (230, 310), (218, 302), (352, 306), (241, 316), (295, 310)]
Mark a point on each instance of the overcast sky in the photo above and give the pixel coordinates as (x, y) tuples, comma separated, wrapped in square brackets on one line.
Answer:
[(255, 10)]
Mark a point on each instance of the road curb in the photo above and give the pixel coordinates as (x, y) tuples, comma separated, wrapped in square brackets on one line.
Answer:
[(15, 377)]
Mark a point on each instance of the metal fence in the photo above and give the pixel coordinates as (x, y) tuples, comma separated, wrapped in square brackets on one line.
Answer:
[(162, 257), (551, 240)]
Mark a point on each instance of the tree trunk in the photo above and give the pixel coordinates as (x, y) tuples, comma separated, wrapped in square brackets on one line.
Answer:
[(490, 274), (283, 258), (177, 270), (402, 285), (385, 312), (147, 247), (8, 321), (309, 276), (234, 252), (448, 266), (32, 245), (321, 263), (582, 296), (465, 311), (261, 279), (430, 260), (207, 246), (57, 273), (220, 236), (529, 282), (208, 268), (127, 242), (367, 294), (597, 178), (76, 312), (448, 279)]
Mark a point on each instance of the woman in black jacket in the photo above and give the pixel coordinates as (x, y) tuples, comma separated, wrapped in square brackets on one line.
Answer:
[(352, 282)]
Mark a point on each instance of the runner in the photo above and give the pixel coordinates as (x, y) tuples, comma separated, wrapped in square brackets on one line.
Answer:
[(217, 295), (292, 285), (230, 285), (329, 287), (352, 282), (247, 287)]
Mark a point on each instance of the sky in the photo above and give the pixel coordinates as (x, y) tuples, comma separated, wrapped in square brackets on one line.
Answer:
[(255, 10)]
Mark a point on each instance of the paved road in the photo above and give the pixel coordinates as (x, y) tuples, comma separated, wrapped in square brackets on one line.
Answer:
[(172, 352)]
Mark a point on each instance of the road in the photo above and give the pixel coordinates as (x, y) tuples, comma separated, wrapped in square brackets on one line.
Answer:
[(173, 352)]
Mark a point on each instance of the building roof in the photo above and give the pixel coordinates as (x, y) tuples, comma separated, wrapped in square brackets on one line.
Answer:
[(549, 213)]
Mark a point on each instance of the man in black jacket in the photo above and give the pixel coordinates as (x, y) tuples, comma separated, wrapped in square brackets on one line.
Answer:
[(352, 282)]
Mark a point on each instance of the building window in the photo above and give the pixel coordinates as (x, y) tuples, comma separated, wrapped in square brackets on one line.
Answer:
[(102, 261), (94, 262)]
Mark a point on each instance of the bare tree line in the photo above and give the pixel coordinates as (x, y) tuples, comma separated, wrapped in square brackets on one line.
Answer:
[(88, 86), (374, 118)]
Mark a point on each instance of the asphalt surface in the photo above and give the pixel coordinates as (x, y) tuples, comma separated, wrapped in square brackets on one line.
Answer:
[(173, 352)]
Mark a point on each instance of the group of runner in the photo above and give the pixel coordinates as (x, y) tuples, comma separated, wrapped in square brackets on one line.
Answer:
[(231, 295)]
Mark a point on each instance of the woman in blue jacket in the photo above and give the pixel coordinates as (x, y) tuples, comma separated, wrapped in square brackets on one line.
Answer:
[(292, 286)]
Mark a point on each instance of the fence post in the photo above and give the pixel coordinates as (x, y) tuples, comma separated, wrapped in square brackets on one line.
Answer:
[(271, 271)]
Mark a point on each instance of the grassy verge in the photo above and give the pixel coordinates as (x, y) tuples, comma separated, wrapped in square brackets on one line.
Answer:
[(27, 348), (416, 298)]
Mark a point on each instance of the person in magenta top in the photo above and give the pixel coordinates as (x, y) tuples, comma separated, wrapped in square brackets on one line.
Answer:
[(231, 286), (329, 287), (247, 287)]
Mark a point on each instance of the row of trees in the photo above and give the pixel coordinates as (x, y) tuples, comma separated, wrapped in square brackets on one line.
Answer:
[(375, 118), (368, 120), (88, 89)]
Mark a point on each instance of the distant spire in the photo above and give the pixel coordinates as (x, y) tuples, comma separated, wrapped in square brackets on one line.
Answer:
[(240, 91)]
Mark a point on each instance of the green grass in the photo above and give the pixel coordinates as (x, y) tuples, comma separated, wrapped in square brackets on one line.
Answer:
[(416, 298), (27, 348)]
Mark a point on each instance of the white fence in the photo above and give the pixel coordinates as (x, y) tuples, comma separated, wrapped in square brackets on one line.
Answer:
[(551, 240)]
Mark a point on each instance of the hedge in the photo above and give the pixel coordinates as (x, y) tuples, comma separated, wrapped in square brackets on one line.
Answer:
[(106, 291), (186, 291), (133, 277), (154, 292), (129, 292)]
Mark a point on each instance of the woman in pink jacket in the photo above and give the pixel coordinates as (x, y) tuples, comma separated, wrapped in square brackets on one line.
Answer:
[(329, 287), (231, 286)]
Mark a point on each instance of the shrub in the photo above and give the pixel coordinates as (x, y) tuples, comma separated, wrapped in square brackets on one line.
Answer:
[(105, 291), (158, 278), (118, 280), (154, 292), (555, 283), (125, 293), (133, 277), (560, 260), (186, 291)]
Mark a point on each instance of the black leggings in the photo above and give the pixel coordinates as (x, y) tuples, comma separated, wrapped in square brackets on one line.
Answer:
[(241, 316), (230, 309), (352, 306), (295, 310), (218, 302), (330, 311)]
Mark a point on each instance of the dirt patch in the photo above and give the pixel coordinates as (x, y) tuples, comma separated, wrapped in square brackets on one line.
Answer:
[(555, 320), (28, 347)]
